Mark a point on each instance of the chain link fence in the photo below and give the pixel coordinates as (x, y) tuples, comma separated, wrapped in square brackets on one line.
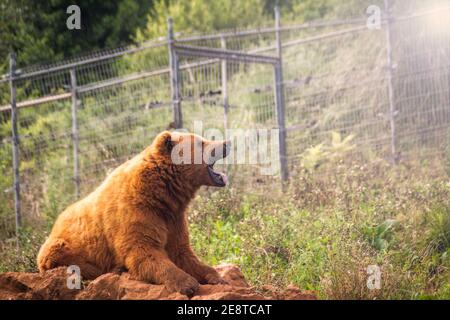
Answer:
[(347, 89)]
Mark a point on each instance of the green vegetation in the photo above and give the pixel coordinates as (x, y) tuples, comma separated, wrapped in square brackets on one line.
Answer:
[(37, 30), (337, 216), (324, 233), (321, 234)]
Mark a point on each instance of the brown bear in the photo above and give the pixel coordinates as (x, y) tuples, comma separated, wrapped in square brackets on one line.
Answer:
[(136, 219)]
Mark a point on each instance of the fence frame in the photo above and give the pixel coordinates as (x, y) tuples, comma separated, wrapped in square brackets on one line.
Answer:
[(74, 135), (224, 55), (177, 47), (15, 144), (390, 79), (279, 97), (174, 77)]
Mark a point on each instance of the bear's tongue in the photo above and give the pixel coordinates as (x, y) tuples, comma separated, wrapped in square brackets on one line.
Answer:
[(224, 177), (219, 178)]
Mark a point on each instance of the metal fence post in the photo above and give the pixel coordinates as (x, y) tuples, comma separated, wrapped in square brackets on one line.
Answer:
[(224, 74), (392, 111), (15, 144), (223, 44), (174, 77), (73, 88), (279, 100)]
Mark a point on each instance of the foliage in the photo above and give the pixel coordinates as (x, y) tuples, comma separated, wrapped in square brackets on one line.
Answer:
[(205, 16), (313, 157), (323, 234), (201, 16), (320, 235), (37, 30)]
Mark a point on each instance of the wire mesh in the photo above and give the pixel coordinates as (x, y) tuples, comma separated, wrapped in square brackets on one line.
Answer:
[(336, 88), (422, 83)]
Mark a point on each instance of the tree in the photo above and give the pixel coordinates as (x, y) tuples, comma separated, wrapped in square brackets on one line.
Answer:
[(37, 30), (201, 16), (206, 15)]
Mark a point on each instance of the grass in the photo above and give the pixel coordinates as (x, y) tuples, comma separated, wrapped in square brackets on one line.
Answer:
[(321, 234)]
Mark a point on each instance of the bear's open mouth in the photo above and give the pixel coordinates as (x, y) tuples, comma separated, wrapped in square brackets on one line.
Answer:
[(220, 179)]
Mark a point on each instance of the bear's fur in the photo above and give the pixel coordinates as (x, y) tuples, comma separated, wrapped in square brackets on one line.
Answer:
[(136, 219)]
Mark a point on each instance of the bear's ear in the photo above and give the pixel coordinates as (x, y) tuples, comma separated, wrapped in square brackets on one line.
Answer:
[(164, 143), (168, 143)]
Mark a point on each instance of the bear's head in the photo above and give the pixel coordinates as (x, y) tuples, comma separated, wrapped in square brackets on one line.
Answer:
[(192, 157)]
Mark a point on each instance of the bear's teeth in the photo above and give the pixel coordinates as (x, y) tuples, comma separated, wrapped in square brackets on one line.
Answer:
[(224, 178)]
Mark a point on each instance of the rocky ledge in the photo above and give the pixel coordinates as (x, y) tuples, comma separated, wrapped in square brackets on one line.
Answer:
[(52, 285)]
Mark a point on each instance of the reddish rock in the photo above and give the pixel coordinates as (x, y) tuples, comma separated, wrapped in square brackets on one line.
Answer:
[(232, 274), (52, 285), (293, 293)]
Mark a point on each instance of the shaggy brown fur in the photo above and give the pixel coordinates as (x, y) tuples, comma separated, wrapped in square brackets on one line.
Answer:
[(136, 219)]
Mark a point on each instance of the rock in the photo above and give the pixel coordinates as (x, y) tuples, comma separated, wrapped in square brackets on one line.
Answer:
[(52, 285), (121, 287), (232, 275), (293, 293)]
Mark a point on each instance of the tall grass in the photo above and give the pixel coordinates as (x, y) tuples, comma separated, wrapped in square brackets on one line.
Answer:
[(336, 218), (323, 234)]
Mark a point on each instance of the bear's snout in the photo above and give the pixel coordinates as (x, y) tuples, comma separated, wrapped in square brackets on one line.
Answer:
[(218, 150)]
